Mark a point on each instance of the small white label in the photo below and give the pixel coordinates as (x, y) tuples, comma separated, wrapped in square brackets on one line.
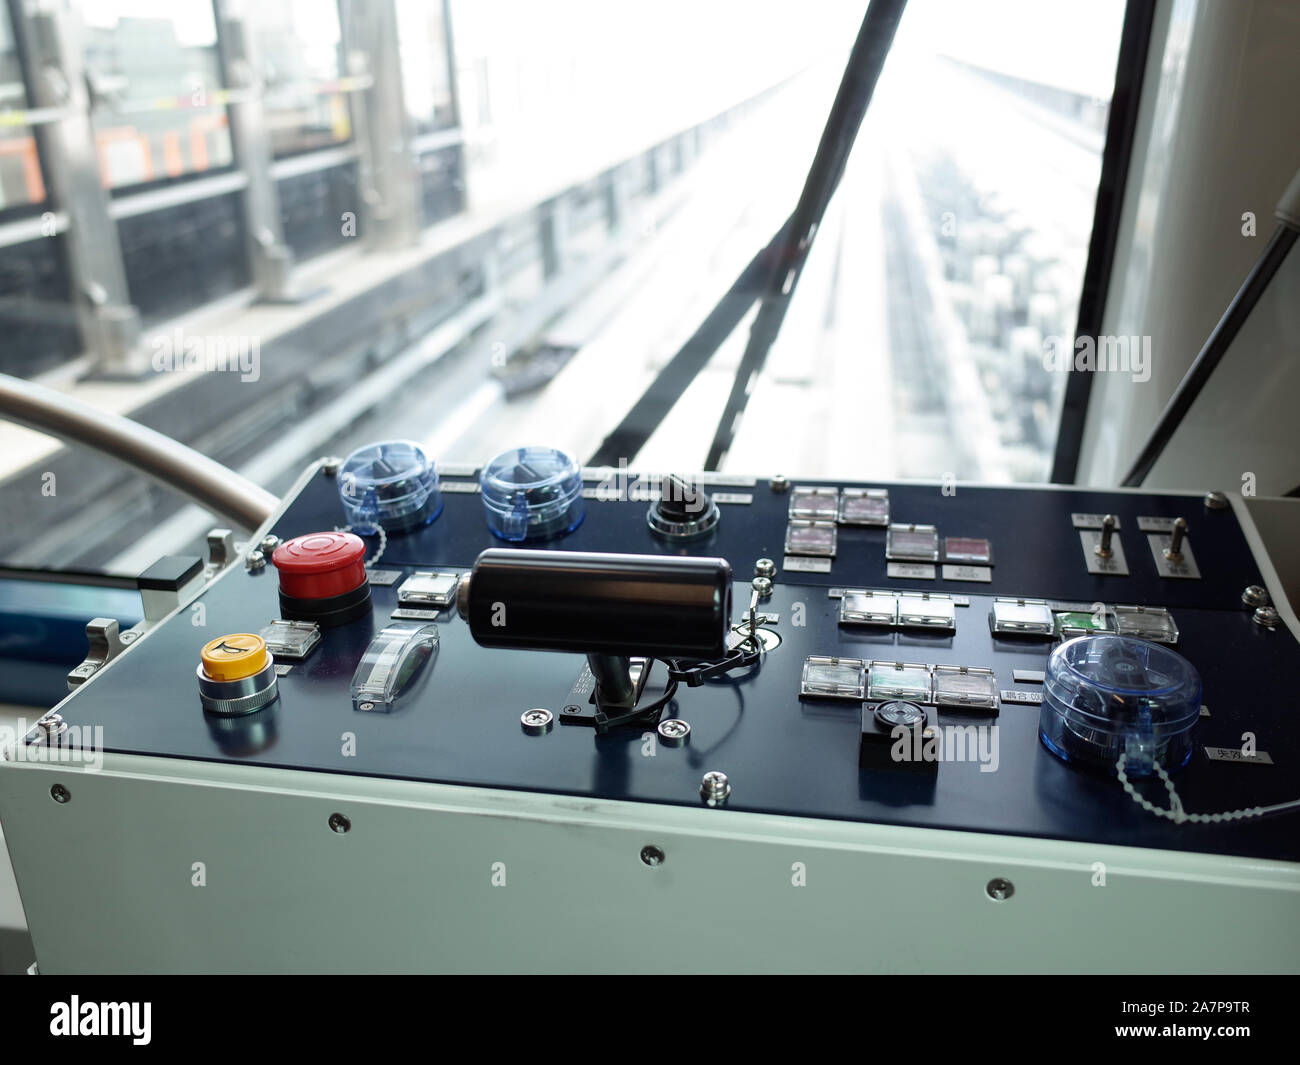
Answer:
[(1234, 754), (463, 487), (723, 480), (1011, 695), (799, 564), (1090, 521), (1028, 676), (742, 498), (967, 573), (1156, 524), (1185, 566), (917, 571), (1114, 564), (457, 469)]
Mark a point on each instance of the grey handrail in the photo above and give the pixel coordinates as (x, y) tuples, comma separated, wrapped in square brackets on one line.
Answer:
[(208, 483)]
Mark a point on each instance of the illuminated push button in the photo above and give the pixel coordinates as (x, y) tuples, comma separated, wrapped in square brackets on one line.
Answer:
[(323, 578), (814, 503), (236, 675), (899, 680), (810, 538), (912, 543), (234, 657), (864, 506), (969, 549)]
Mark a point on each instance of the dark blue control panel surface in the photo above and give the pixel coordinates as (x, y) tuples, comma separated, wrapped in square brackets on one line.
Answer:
[(458, 723)]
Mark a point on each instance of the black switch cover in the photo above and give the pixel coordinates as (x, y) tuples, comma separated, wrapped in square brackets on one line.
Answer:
[(170, 573)]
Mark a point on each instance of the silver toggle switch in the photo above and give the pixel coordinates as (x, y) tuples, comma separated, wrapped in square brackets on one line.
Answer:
[(1174, 552), (1103, 547)]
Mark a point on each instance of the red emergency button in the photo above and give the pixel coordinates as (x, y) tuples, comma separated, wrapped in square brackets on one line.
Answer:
[(320, 565)]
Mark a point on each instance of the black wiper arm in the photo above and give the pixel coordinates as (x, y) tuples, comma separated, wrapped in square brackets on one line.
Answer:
[(765, 276), (842, 124), (630, 435)]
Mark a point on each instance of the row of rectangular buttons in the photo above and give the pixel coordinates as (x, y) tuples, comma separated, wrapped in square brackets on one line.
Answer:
[(921, 610), (856, 679), (920, 543), (1035, 617), (849, 506)]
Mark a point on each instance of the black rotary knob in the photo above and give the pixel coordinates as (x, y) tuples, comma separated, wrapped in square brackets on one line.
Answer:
[(683, 511)]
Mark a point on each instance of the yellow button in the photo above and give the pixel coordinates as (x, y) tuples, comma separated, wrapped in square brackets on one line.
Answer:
[(234, 657)]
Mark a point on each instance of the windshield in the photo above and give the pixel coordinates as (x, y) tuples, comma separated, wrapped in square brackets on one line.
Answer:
[(486, 224)]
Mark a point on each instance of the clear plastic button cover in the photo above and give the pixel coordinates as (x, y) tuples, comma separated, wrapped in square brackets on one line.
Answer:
[(391, 661)]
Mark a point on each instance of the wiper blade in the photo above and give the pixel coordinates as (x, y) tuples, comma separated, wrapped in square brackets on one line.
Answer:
[(773, 274), (630, 435), (866, 61)]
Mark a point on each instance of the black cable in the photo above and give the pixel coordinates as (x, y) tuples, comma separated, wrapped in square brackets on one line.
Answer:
[(698, 755), (692, 675), (664, 699), (639, 713), (696, 674)]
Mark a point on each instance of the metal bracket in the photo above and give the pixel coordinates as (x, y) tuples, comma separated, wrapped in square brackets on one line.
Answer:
[(581, 708), (106, 644), (221, 549)]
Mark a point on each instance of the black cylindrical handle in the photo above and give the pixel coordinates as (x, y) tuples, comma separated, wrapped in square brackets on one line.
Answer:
[(652, 605)]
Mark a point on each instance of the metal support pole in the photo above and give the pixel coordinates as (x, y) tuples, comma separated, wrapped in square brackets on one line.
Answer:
[(110, 326), (269, 258), (617, 198), (1212, 353), (553, 226), (614, 687), (390, 178), (458, 119)]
